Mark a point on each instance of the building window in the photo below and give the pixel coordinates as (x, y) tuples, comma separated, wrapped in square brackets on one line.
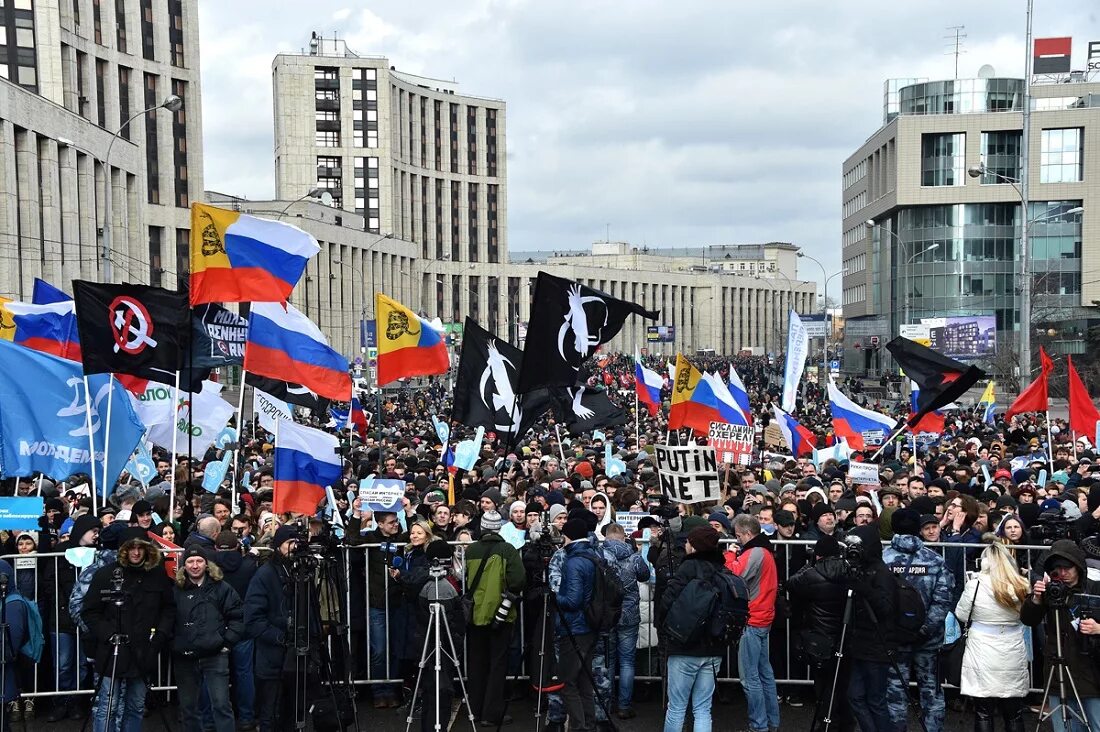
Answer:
[(18, 52), (183, 258), (456, 218), (943, 159), (491, 142), (152, 161), (439, 218), (101, 93), (491, 217), (472, 213), (1001, 156), (454, 138), (120, 25), (97, 22), (179, 134), (124, 100), (175, 32), (471, 137), (438, 111), (156, 253), (1062, 155), (366, 193), (475, 298), (327, 138), (364, 95), (147, 47)]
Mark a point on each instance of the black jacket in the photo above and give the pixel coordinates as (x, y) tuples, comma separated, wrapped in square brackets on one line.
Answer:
[(267, 614), (238, 569), (414, 573), (818, 594), (702, 565), (57, 572), (379, 584), (209, 617), (146, 616), (874, 604)]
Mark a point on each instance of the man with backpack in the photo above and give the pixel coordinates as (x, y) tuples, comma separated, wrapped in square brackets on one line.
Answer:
[(701, 612), (493, 569), (919, 639), (631, 569), (755, 564), (576, 637), (16, 617)]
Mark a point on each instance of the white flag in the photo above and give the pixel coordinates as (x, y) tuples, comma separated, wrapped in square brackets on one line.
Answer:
[(268, 409), (798, 346), (154, 405), (206, 414)]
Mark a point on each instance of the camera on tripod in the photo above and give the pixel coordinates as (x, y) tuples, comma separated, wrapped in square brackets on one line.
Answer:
[(1051, 526), (114, 594), (669, 516), (438, 568), (1058, 594)]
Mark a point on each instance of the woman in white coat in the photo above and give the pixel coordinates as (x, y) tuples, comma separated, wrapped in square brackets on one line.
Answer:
[(994, 667)]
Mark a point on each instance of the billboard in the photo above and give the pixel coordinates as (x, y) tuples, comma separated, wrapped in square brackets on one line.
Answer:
[(963, 336), (660, 333), (816, 324)]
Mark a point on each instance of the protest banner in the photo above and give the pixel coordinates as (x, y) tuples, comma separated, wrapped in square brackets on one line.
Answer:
[(629, 521), (688, 474), (863, 473), (773, 436), (19, 514), (381, 494), (732, 443), (268, 409)]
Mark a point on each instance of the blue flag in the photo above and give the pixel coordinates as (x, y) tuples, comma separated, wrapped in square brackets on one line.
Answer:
[(141, 465), (46, 294), (43, 419)]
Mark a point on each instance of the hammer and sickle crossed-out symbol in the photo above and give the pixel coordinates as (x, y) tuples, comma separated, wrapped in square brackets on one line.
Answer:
[(131, 326)]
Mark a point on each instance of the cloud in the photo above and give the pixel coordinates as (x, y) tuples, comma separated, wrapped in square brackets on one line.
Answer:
[(697, 123)]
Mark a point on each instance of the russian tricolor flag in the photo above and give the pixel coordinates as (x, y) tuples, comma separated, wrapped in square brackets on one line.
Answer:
[(740, 395), (305, 464), (861, 427), (284, 344), (47, 328), (648, 384), (931, 422), (798, 438), (728, 409)]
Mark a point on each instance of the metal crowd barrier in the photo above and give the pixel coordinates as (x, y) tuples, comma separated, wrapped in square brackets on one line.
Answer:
[(43, 679)]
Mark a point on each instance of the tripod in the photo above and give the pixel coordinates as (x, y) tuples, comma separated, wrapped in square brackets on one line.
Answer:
[(1058, 665), (116, 597), (332, 590), (828, 720), (433, 636)]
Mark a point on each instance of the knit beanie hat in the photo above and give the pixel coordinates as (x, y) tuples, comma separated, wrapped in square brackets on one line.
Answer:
[(491, 521), (576, 529), (703, 539)]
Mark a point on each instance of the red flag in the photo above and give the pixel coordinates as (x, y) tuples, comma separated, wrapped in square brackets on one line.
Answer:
[(1083, 414), (1034, 398)]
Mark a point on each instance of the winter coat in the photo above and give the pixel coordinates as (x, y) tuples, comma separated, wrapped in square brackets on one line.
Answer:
[(631, 569), (414, 573), (995, 660), (819, 593), (504, 572), (209, 617), (56, 579), (15, 615), (578, 577), (698, 565), (238, 569), (103, 558), (925, 569), (647, 625), (874, 603), (380, 588), (146, 617), (755, 564), (1075, 647), (267, 616)]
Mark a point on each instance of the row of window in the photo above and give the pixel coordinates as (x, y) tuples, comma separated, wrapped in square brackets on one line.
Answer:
[(1061, 157), (856, 174), (855, 234), (858, 263), (855, 294), (855, 203)]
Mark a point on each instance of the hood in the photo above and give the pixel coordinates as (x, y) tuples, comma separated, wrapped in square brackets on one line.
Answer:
[(9, 573), (1068, 550), (152, 555), (230, 561), (872, 544), (213, 573), (618, 549), (906, 543), (606, 514), (818, 491)]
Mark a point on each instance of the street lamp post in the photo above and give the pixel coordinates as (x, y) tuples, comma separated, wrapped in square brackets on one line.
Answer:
[(775, 309), (362, 305), (172, 103), (908, 271), (825, 312), (313, 193)]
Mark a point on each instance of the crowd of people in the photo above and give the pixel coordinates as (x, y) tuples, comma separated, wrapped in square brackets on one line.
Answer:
[(552, 585)]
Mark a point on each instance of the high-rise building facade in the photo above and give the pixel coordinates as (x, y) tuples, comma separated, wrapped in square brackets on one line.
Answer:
[(72, 73), (926, 235)]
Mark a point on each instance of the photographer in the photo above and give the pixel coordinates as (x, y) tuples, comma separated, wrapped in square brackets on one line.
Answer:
[(209, 622), (134, 600), (438, 587), (1064, 577)]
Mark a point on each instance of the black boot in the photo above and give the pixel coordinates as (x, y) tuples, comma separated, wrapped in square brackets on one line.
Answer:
[(1013, 712), (983, 716)]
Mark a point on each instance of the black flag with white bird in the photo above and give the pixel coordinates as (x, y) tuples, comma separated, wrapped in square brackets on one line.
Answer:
[(485, 387), (583, 409), (569, 321)]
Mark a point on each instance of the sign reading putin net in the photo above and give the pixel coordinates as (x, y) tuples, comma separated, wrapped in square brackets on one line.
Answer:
[(688, 474)]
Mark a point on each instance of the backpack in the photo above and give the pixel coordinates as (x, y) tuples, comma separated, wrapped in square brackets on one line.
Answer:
[(911, 612), (36, 639), (606, 607), (713, 609)]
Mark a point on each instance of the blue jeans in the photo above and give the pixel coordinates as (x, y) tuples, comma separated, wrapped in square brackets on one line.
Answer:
[(625, 645), (690, 677), (1092, 713), (128, 707), (379, 627), (244, 683), (755, 669), (63, 653), (191, 675), (867, 696)]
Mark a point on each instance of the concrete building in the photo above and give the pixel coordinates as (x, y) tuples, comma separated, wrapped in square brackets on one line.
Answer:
[(417, 175), (73, 74), (944, 244)]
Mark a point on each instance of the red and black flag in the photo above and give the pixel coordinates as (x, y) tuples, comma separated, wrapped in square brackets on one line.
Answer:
[(941, 380), (131, 329)]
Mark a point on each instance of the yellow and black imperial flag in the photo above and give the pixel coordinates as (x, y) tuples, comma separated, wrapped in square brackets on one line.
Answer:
[(569, 321), (485, 388), (131, 329)]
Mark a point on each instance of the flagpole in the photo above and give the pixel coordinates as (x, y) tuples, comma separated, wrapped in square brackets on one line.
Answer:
[(561, 447), (175, 446), (91, 443), (1073, 434), (890, 439), (41, 477), (240, 435), (107, 433), (1050, 445)]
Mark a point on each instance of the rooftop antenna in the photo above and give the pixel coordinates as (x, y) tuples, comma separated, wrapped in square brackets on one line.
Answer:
[(955, 37), (608, 234)]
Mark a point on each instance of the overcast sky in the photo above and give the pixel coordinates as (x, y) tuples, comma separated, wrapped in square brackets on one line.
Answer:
[(679, 124)]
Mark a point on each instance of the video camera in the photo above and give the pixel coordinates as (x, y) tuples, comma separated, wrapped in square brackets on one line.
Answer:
[(1051, 526), (669, 516)]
